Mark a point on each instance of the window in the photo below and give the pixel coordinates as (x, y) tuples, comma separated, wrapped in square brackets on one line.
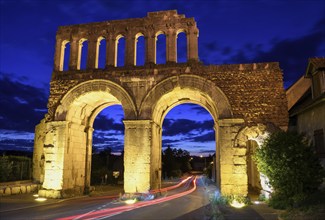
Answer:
[(101, 53)]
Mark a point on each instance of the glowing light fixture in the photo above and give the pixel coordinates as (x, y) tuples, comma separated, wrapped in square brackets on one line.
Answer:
[(40, 199), (35, 195), (237, 204), (130, 201)]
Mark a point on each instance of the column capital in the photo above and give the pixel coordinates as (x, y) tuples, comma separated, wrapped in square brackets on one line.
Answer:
[(89, 129), (137, 122)]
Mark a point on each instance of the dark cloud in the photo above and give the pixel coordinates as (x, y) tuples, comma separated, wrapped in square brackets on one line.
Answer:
[(22, 106), (207, 152), (16, 144), (319, 26), (199, 110), (102, 123), (226, 51), (104, 139), (210, 136), (292, 54), (211, 46), (166, 142), (173, 127)]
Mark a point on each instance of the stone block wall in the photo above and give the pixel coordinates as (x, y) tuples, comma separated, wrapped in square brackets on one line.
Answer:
[(19, 187), (254, 91)]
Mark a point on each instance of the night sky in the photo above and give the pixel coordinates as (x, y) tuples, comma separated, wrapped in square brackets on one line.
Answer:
[(231, 31)]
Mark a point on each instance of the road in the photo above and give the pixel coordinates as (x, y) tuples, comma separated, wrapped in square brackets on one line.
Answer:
[(191, 202)]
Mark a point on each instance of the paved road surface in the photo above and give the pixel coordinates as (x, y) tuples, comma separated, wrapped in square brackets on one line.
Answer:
[(54, 209)]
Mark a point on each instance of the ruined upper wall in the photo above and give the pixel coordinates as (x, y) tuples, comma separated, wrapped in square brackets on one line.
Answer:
[(255, 91), (168, 23)]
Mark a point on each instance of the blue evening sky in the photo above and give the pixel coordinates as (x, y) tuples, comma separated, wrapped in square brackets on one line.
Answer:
[(231, 31)]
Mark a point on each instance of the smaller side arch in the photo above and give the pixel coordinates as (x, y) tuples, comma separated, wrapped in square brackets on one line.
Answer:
[(159, 33), (181, 30), (63, 54), (257, 133), (139, 49), (118, 54), (82, 53), (247, 141), (100, 52)]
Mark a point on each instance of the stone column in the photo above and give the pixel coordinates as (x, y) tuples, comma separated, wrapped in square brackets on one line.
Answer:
[(65, 160), (192, 45), (92, 56), (151, 49), (89, 145), (55, 143), (74, 174), (171, 48), (156, 170), (38, 152), (79, 53), (130, 51), (217, 161), (137, 155), (111, 52), (233, 173), (74, 54), (59, 55)]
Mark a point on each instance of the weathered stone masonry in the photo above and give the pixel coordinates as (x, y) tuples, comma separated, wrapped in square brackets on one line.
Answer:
[(245, 100)]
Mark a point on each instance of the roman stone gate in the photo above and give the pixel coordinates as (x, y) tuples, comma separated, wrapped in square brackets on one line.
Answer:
[(245, 101)]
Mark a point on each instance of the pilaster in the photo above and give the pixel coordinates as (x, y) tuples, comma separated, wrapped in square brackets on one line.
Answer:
[(55, 143), (92, 56), (171, 46), (233, 167), (151, 49), (137, 155), (89, 144), (111, 52), (59, 55), (192, 45), (74, 54), (130, 51), (38, 152), (66, 167)]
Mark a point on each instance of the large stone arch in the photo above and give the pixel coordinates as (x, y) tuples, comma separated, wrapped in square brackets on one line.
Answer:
[(163, 97), (92, 94), (67, 141), (208, 94)]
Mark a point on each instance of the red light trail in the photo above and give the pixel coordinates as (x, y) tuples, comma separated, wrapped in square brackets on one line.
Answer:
[(117, 210)]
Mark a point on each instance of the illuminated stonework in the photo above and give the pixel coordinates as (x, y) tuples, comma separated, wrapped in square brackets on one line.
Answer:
[(238, 96)]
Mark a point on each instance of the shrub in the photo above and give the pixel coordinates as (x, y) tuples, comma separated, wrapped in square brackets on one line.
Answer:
[(13, 168), (292, 167)]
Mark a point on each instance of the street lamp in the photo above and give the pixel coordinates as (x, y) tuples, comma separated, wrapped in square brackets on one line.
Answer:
[(205, 162)]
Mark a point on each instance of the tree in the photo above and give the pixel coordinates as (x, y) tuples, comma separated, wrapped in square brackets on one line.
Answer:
[(175, 162), (292, 167)]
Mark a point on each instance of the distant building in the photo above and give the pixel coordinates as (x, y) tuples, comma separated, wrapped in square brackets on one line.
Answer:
[(306, 105)]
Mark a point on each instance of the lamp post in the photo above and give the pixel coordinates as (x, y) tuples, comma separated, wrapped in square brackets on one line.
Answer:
[(205, 165)]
